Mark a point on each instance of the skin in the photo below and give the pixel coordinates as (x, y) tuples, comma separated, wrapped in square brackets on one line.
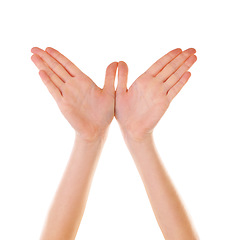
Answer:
[(138, 110), (90, 110)]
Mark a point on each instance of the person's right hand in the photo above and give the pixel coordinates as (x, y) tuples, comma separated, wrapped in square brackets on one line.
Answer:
[(88, 108), (139, 108)]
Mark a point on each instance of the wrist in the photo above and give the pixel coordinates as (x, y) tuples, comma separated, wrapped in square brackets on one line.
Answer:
[(142, 138), (100, 137), (142, 150), (136, 143), (90, 148)]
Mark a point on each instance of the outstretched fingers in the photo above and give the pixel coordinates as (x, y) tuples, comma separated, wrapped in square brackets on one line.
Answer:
[(173, 66), (178, 86), (163, 61), (53, 64), (54, 91), (71, 68), (174, 78), (41, 65)]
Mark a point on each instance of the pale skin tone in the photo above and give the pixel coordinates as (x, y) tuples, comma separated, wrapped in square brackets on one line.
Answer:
[(90, 110)]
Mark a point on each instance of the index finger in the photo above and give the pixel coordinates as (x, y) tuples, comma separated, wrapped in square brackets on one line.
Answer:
[(68, 65)]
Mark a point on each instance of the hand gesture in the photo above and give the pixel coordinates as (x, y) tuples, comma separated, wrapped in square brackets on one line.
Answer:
[(139, 108), (88, 108)]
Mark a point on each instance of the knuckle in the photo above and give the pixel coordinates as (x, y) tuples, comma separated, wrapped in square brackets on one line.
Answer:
[(187, 64), (66, 92), (173, 92), (164, 87), (160, 64), (68, 63), (172, 65), (50, 73), (185, 55), (55, 65), (147, 74), (176, 75), (57, 54)]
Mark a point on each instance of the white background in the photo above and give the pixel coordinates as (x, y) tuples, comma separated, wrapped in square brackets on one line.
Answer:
[(198, 137)]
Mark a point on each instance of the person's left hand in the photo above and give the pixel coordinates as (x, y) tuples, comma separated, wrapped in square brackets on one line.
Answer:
[(88, 108), (139, 108)]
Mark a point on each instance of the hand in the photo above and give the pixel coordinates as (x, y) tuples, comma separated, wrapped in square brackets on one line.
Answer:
[(88, 108), (139, 109)]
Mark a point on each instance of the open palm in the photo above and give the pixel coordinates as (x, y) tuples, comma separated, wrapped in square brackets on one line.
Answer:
[(88, 108), (139, 108)]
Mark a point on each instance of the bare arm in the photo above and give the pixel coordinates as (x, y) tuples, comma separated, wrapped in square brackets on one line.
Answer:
[(90, 111), (166, 204), (138, 110), (67, 208)]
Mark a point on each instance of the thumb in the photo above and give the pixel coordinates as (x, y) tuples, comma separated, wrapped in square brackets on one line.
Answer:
[(122, 77), (110, 77)]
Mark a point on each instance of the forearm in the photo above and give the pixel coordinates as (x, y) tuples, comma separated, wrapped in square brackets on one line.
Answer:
[(68, 205), (166, 204)]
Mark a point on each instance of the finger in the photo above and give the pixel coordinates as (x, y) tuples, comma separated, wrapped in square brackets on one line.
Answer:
[(174, 78), (52, 63), (72, 69), (54, 91), (122, 77), (110, 77), (178, 86), (163, 61), (41, 65), (172, 67)]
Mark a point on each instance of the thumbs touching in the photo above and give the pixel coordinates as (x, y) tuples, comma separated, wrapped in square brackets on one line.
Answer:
[(122, 77), (110, 78)]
